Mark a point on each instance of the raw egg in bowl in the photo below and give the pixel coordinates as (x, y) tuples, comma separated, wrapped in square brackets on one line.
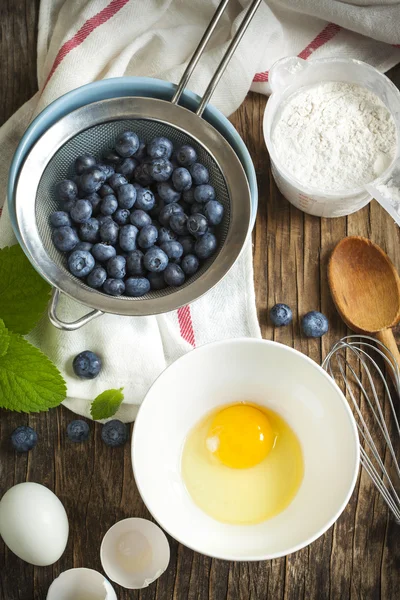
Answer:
[(245, 450)]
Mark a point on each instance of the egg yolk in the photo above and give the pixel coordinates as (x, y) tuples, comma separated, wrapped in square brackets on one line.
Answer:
[(240, 436)]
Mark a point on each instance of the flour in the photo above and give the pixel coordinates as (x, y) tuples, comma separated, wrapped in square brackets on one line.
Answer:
[(335, 136)]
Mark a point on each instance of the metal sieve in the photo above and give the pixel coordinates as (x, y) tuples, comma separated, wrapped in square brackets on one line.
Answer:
[(93, 128)]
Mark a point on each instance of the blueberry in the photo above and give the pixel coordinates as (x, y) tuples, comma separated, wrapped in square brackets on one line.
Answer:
[(116, 181), (147, 236), (80, 263), (92, 180), (181, 179), (144, 199), (187, 243), (85, 246), (67, 191), (78, 431), (186, 156), (97, 277), (87, 365), (155, 260), (172, 249), (109, 205), (109, 232), (137, 286), (197, 207), (142, 174), (111, 157), (157, 281), (108, 170), (205, 246), (160, 147), (103, 252), (166, 235), (127, 144), (188, 196), (190, 264), (178, 223), (105, 190), (197, 224), (114, 287), (134, 263), (89, 232), (127, 167), (141, 152), (140, 219), (23, 439), (314, 324), (84, 163), (280, 315), (126, 195), (82, 211), (204, 193), (65, 238), (174, 275), (60, 219), (116, 267), (167, 192), (122, 216), (214, 212), (105, 219), (199, 174), (167, 212), (157, 208), (160, 169), (94, 200), (127, 237), (114, 433)]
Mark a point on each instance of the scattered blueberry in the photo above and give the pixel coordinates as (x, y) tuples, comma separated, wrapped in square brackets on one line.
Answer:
[(199, 174), (65, 238), (97, 277), (178, 223), (205, 246), (60, 219), (92, 180), (114, 287), (186, 156), (23, 439), (87, 365), (114, 433), (314, 324), (84, 163), (155, 260), (187, 243), (78, 431), (127, 144), (116, 267), (172, 249), (137, 286), (190, 264), (174, 275), (81, 211), (147, 237), (108, 205), (126, 195), (109, 232), (160, 169), (134, 263), (166, 235), (181, 179), (167, 212), (167, 192), (80, 263), (281, 315), (67, 191), (204, 193), (127, 167), (140, 218), (214, 212), (116, 181), (127, 237), (160, 147), (197, 224), (122, 216), (89, 232), (103, 252)]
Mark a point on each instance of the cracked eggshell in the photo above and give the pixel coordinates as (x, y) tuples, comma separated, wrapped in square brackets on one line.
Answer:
[(77, 584), (134, 553)]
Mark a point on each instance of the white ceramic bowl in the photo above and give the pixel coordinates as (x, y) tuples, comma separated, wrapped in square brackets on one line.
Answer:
[(269, 374)]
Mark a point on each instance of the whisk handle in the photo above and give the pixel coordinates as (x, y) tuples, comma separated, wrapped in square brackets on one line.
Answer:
[(387, 338)]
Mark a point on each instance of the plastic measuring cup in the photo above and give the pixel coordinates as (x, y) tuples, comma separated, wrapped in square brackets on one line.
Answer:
[(289, 75)]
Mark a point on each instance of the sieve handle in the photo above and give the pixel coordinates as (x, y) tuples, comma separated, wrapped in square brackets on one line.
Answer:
[(225, 60), (74, 325)]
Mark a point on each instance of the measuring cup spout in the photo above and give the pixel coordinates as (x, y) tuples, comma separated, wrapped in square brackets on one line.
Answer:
[(281, 72), (386, 190)]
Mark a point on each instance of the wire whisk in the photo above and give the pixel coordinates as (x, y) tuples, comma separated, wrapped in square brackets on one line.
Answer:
[(338, 364)]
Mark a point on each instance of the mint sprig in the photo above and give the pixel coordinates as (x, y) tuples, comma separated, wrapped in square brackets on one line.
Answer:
[(4, 338), (106, 404), (23, 293)]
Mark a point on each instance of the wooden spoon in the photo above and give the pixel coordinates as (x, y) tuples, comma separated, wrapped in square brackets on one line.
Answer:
[(365, 287)]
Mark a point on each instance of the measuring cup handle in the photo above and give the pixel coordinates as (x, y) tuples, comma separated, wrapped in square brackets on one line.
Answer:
[(74, 325), (283, 70)]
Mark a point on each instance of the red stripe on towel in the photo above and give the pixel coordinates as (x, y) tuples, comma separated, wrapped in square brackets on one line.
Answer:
[(87, 28), (322, 38), (186, 325)]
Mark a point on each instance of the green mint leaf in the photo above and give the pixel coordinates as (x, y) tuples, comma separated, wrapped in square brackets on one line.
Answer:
[(29, 382), (4, 339), (106, 404), (23, 293)]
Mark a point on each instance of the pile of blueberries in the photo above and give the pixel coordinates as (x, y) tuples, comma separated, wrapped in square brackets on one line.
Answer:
[(140, 219)]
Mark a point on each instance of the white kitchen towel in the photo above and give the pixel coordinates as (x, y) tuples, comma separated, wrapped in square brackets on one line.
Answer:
[(81, 41)]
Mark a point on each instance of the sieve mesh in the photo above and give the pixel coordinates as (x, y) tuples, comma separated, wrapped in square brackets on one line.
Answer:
[(95, 140)]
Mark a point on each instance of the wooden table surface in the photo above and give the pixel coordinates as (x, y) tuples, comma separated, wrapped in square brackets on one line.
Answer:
[(358, 558)]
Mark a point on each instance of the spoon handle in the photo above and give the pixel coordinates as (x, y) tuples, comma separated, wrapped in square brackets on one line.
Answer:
[(387, 338)]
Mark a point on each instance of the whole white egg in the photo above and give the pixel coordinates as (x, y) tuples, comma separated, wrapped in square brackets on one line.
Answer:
[(33, 523)]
